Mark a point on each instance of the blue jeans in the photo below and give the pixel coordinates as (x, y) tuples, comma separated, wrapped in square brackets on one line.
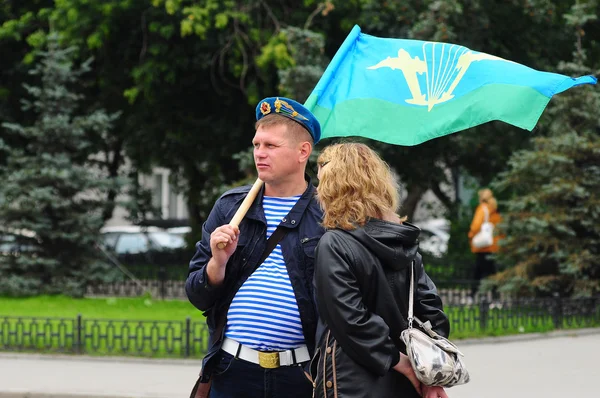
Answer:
[(236, 378)]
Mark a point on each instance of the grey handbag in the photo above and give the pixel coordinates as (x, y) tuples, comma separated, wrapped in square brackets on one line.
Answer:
[(435, 360)]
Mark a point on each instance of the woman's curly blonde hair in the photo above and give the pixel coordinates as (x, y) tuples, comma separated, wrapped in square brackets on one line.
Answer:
[(355, 184)]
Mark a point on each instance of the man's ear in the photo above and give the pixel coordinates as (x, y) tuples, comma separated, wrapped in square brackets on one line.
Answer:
[(305, 151)]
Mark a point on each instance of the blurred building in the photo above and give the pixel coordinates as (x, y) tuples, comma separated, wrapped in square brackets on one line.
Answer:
[(172, 205)]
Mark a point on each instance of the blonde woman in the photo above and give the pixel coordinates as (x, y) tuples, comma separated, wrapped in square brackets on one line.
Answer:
[(484, 264), (362, 270)]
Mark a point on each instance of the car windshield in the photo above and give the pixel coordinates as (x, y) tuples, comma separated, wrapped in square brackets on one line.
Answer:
[(167, 240), (132, 244), (16, 243), (110, 239)]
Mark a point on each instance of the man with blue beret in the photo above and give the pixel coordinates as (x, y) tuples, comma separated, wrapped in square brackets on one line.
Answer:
[(257, 291)]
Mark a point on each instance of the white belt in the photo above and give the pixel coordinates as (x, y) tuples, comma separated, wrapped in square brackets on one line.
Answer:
[(267, 360)]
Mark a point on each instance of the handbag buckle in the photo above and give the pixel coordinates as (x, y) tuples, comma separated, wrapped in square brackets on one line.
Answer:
[(268, 360)]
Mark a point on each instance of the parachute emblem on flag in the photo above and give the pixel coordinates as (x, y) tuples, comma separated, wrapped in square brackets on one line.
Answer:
[(433, 79)]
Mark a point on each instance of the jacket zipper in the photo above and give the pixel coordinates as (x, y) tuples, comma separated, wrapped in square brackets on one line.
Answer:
[(334, 369), (325, 364)]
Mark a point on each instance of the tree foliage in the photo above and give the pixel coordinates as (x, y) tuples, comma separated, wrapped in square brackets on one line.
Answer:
[(158, 61), (52, 187), (553, 214), (187, 74)]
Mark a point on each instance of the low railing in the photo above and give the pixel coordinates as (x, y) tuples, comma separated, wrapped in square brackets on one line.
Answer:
[(159, 289), (104, 336), (189, 339), (501, 317), (175, 289), (163, 274)]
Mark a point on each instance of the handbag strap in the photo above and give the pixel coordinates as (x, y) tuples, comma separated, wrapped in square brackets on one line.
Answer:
[(411, 295), (273, 240), (426, 326), (486, 217)]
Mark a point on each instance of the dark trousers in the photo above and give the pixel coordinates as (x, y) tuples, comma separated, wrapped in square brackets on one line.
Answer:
[(236, 378), (484, 267)]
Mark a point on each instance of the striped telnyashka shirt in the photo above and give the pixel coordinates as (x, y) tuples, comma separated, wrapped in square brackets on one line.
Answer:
[(264, 313)]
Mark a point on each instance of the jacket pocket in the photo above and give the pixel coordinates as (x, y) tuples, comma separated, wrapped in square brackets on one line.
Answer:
[(309, 245), (225, 362), (307, 264)]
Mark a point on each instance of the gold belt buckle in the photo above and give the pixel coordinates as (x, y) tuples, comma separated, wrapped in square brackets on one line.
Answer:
[(268, 360)]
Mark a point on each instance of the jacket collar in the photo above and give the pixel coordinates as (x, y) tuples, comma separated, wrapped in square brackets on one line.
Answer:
[(292, 220)]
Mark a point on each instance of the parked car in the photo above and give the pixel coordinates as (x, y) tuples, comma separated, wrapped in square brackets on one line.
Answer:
[(136, 240), (434, 236), (180, 230), (15, 242)]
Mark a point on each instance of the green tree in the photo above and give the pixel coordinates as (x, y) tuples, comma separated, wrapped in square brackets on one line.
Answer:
[(553, 218), (187, 74), (53, 185), (244, 52), (24, 33), (481, 25)]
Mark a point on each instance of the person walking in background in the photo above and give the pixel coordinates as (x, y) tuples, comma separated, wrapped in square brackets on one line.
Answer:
[(362, 281), (486, 211)]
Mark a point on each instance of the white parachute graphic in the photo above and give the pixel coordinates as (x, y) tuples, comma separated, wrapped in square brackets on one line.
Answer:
[(432, 80)]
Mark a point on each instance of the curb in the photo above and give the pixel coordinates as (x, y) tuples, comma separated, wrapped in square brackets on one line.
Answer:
[(33, 394), (89, 358), (22, 393), (528, 336)]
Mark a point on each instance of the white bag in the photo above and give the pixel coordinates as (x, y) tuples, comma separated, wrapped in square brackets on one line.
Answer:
[(485, 236), (435, 359)]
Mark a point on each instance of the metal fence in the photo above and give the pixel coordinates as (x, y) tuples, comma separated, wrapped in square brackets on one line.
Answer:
[(189, 339), (522, 316), (158, 288), (79, 335), (163, 274), (175, 289)]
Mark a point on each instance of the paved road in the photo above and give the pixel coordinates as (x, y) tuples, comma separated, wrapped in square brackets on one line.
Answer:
[(561, 367), (557, 367), (26, 376)]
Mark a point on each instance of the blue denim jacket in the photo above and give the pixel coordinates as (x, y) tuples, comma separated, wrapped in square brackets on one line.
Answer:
[(298, 247)]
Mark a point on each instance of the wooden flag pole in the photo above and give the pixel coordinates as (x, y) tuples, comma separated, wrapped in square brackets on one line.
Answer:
[(243, 209)]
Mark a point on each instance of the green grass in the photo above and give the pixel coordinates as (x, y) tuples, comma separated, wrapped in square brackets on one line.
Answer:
[(99, 308)]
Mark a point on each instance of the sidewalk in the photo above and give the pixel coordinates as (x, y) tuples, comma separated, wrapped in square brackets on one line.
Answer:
[(553, 365), (40, 376)]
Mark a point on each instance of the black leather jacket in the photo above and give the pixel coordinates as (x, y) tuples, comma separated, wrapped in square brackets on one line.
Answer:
[(362, 284)]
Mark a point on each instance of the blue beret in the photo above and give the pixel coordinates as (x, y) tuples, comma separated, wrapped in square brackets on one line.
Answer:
[(292, 109)]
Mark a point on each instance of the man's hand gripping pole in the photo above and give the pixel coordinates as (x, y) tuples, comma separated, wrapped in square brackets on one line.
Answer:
[(241, 212)]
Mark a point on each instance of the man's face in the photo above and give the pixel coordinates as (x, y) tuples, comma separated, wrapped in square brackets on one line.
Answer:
[(276, 154)]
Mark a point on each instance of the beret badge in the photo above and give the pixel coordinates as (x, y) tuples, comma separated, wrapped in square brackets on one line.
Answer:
[(265, 108), (284, 107), (291, 109)]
